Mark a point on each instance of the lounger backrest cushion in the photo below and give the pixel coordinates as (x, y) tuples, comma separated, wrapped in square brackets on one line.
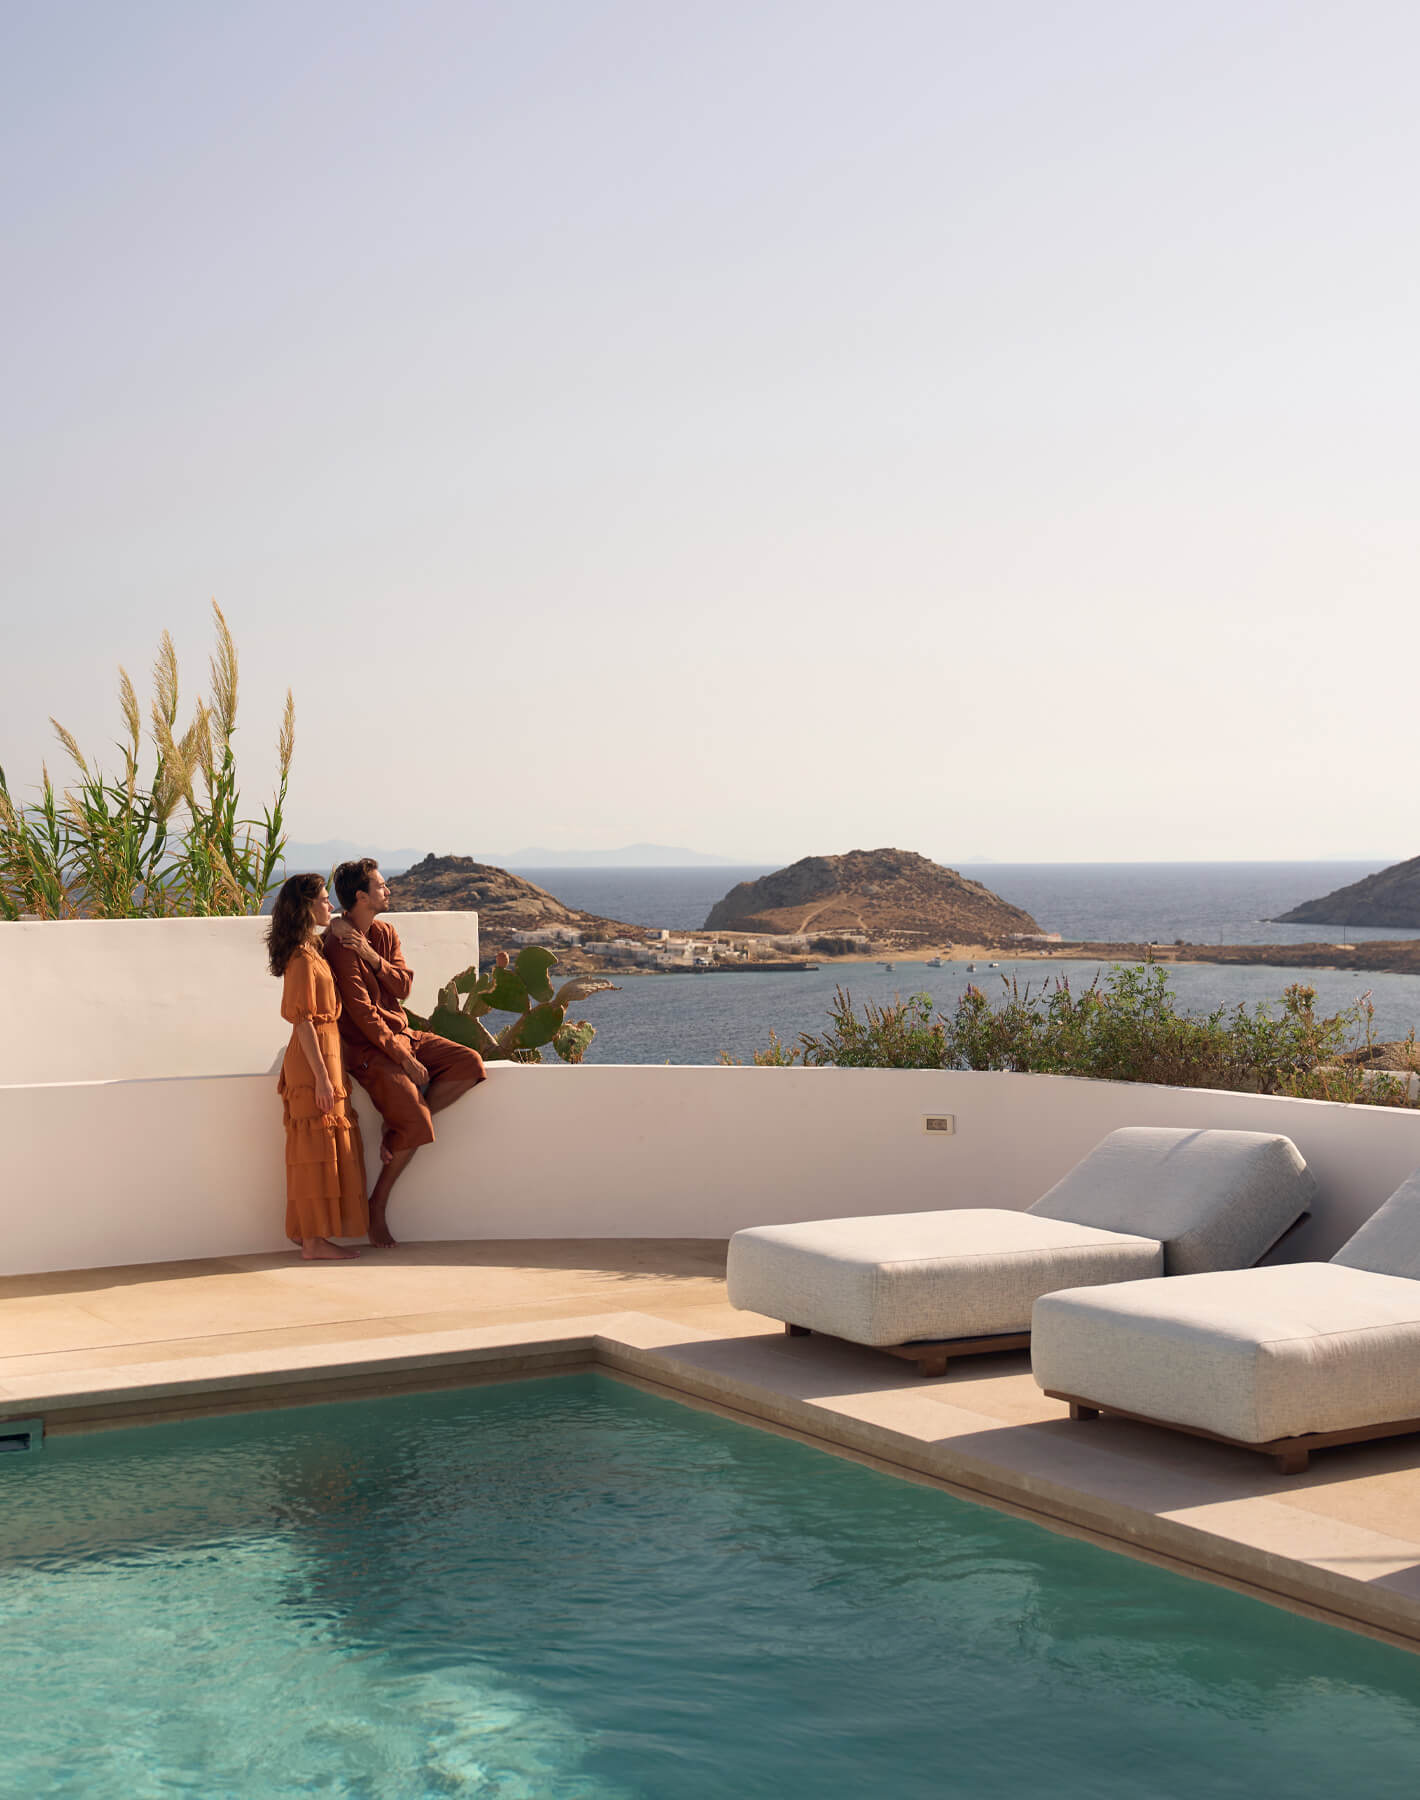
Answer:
[(1213, 1199), (1389, 1241)]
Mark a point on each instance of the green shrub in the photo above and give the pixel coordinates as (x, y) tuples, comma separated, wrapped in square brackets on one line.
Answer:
[(1123, 1026)]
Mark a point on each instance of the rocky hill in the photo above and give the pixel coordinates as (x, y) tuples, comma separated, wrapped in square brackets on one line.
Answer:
[(505, 903), (895, 896), (1390, 897)]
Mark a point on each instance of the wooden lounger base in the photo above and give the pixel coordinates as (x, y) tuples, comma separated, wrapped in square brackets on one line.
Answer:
[(932, 1356), (1290, 1454)]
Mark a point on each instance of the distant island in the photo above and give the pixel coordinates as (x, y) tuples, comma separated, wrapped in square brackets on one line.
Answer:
[(861, 906), (868, 902), (630, 856), (513, 912), (1388, 898), (896, 898), (508, 906)]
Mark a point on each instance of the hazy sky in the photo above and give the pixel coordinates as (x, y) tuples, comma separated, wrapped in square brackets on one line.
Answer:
[(771, 427)]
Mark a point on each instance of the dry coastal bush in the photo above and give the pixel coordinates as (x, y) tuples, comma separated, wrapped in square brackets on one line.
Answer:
[(1124, 1026)]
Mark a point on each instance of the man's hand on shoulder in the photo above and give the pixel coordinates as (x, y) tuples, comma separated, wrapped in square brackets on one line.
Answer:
[(345, 934)]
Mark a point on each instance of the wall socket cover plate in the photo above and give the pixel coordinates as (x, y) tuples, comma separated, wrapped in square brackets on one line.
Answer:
[(941, 1124)]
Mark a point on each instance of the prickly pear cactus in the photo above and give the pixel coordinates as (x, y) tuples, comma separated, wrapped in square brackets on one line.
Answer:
[(574, 1039), (523, 988)]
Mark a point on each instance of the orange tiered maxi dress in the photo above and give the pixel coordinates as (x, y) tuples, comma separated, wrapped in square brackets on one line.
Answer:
[(325, 1160)]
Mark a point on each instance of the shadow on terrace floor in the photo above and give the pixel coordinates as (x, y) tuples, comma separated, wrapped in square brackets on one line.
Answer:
[(614, 1259)]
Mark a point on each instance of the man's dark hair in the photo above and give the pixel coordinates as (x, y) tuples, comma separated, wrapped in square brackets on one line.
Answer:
[(353, 879)]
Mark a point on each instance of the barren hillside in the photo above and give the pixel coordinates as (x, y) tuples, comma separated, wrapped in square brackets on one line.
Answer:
[(893, 895), (504, 902)]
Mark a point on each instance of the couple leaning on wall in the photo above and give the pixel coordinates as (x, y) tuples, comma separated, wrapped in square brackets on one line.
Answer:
[(344, 984)]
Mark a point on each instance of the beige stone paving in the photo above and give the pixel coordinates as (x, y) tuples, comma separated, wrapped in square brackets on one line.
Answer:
[(1344, 1537), (425, 1287)]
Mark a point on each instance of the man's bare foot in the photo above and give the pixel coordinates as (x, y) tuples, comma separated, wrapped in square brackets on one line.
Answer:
[(322, 1250), (380, 1237)]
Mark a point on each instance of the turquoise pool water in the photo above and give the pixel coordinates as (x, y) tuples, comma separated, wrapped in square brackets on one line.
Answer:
[(568, 1588)]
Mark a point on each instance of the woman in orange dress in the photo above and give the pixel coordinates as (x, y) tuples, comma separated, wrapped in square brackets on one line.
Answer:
[(325, 1160)]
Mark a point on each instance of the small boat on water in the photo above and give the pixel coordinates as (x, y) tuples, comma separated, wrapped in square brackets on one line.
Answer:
[(971, 968), (887, 968), (993, 965), (934, 962)]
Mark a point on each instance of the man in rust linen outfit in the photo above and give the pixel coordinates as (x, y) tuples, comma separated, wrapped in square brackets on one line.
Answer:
[(409, 1075)]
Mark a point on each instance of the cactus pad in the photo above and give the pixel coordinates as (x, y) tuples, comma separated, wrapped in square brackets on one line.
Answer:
[(574, 1040), (524, 990), (459, 1028), (541, 1026), (533, 963), (506, 992), (580, 987)]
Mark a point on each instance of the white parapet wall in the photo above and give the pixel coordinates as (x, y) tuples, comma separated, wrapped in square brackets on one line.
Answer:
[(115, 999), (106, 1173)]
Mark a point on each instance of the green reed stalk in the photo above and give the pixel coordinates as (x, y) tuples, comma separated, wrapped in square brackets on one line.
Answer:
[(120, 846)]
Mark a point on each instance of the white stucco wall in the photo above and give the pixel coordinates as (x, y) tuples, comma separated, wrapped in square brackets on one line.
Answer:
[(108, 1173), (108, 999)]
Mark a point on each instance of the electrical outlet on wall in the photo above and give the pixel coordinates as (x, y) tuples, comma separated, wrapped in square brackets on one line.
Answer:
[(942, 1124)]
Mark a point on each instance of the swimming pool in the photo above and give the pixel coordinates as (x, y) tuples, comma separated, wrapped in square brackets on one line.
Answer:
[(570, 1588)]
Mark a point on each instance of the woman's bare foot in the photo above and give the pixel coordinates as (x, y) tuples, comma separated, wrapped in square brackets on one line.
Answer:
[(322, 1250)]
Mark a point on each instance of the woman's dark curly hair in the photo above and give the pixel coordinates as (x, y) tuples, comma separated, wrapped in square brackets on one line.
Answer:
[(292, 920)]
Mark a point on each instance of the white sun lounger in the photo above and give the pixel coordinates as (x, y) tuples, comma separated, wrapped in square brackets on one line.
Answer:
[(1285, 1360), (927, 1286)]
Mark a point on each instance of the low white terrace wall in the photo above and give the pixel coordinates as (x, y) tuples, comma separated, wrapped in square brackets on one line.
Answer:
[(115, 999), (109, 1173)]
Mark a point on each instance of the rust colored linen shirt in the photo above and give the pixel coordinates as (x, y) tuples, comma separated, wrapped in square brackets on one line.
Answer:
[(371, 1016)]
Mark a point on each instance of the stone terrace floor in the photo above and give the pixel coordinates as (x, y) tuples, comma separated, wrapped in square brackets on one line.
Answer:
[(1341, 1541)]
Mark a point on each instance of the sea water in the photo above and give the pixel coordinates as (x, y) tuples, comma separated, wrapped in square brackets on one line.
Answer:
[(571, 1590), (694, 1018)]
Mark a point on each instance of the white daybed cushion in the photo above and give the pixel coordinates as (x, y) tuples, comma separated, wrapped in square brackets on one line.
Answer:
[(1252, 1354), (1213, 1199), (905, 1276), (1389, 1241)]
